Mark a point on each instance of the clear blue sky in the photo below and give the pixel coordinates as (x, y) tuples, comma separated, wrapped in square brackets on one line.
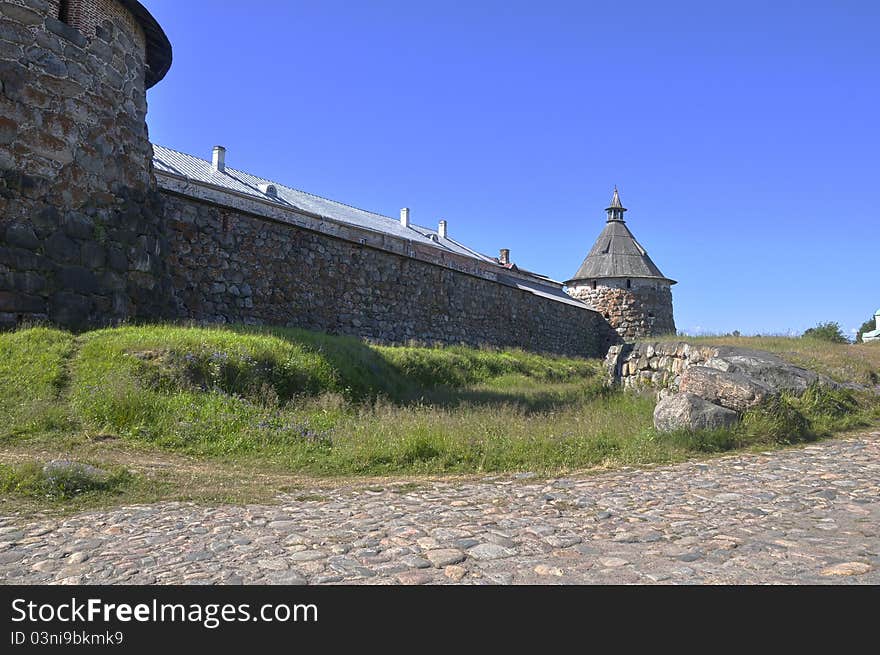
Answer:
[(744, 136)]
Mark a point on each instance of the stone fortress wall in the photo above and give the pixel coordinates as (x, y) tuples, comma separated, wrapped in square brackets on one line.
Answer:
[(229, 265), (637, 308), (88, 238), (80, 230)]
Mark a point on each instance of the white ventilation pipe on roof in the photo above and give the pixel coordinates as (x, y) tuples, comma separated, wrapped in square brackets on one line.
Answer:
[(218, 161)]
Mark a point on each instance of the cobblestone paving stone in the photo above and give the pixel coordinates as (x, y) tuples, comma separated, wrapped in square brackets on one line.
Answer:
[(810, 515)]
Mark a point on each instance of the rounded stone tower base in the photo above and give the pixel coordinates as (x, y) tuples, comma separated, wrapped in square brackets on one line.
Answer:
[(641, 311), (81, 230)]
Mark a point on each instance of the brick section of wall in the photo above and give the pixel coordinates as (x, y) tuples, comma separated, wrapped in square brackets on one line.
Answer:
[(645, 310), (230, 266), (80, 231), (89, 15)]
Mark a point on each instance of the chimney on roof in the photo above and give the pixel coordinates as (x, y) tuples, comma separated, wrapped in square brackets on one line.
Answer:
[(441, 229), (404, 217), (505, 256), (218, 162)]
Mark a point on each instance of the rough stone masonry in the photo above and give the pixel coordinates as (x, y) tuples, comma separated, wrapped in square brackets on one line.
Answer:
[(231, 266), (91, 234), (80, 218)]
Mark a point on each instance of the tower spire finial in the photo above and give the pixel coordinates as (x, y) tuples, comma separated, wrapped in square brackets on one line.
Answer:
[(615, 209), (615, 199)]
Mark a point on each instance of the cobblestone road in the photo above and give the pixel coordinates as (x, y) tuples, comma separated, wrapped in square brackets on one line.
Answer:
[(810, 515)]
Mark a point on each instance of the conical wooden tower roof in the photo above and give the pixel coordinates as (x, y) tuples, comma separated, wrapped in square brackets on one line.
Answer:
[(616, 252)]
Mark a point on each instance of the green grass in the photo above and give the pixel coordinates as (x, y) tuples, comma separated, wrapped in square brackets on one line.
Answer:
[(222, 392), (232, 406), (31, 479), (33, 374)]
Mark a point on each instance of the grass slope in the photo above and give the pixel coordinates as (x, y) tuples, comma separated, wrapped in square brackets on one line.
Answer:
[(237, 407)]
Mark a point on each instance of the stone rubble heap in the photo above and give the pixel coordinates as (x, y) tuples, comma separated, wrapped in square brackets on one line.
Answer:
[(705, 387)]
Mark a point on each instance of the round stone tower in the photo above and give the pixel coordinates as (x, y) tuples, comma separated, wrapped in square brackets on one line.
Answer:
[(620, 281), (81, 238)]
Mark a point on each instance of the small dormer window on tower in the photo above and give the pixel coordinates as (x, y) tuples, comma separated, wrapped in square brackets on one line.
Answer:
[(269, 189)]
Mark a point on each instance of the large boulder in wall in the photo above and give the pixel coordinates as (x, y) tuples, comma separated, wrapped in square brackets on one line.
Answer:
[(767, 369), (726, 388), (686, 411)]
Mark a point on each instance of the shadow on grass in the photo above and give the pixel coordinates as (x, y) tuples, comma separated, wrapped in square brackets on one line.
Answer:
[(366, 372), (527, 400), (440, 378)]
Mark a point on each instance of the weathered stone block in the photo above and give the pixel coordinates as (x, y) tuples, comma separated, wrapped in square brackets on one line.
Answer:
[(8, 130), (47, 61), (141, 261), (22, 236), (29, 282), (116, 259), (14, 302), (13, 33), (79, 226), (12, 77), (77, 279), (724, 388), (112, 281), (770, 370), (60, 248), (23, 260), (66, 31), (46, 220), (92, 255), (685, 411), (20, 14), (70, 309)]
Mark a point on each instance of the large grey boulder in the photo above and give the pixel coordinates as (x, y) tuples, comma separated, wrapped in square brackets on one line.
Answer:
[(766, 368), (716, 383), (686, 411), (660, 365), (726, 388)]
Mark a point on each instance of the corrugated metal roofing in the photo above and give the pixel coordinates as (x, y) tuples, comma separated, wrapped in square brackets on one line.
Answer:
[(200, 170), (545, 291), (195, 169)]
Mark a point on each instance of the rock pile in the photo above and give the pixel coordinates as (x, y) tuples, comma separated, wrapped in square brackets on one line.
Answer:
[(706, 387)]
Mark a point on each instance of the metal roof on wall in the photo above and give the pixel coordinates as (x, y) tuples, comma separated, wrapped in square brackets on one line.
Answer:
[(200, 170), (195, 169)]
